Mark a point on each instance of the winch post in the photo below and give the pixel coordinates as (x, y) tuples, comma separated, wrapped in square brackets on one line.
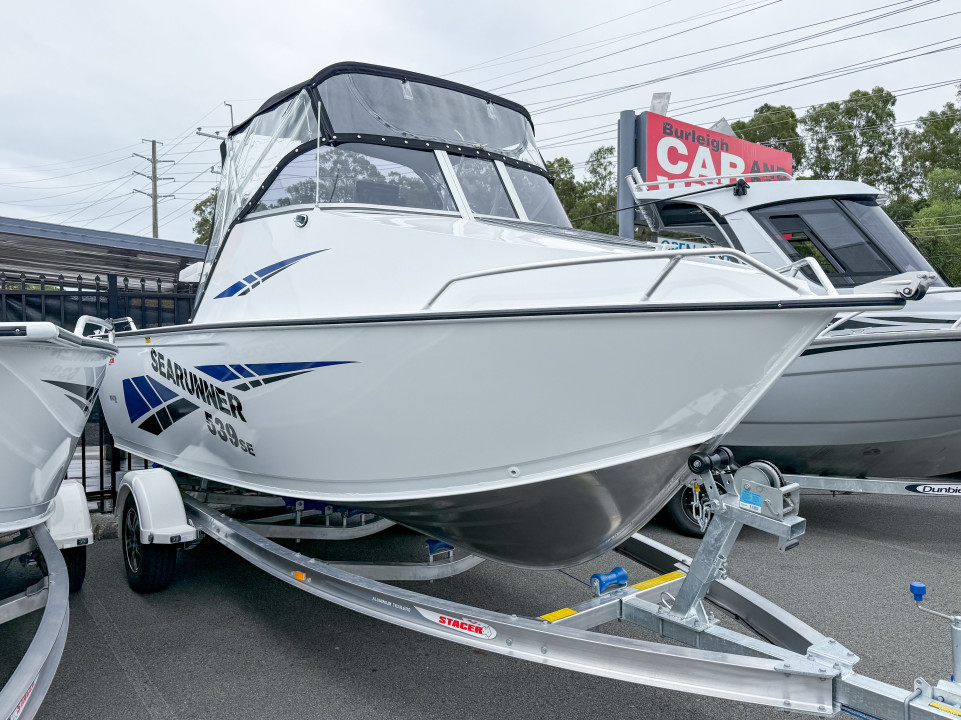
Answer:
[(709, 564), (750, 495)]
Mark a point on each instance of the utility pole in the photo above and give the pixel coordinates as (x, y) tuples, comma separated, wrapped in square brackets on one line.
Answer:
[(153, 181)]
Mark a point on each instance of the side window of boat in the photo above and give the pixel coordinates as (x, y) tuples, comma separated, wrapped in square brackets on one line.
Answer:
[(820, 229), (357, 173), (793, 230), (482, 186), (538, 197)]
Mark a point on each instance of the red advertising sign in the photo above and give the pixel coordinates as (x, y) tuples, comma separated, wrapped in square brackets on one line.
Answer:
[(671, 149)]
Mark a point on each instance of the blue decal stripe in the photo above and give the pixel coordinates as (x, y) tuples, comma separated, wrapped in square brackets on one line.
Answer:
[(152, 398), (218, 372), (242, 286), (233, 289), (162, 390), (242, 371), (137, 407), (262, 369)]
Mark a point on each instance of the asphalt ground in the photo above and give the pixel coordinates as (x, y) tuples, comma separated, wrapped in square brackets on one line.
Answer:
[(228, 641)]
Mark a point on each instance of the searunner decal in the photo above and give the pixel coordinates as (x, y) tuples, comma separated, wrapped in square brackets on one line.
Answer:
[(163, 406), (216, 397), (226, 432)]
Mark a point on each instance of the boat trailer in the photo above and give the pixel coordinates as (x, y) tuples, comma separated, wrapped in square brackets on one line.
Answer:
[(786, 664), (58, 545), (691, 507)]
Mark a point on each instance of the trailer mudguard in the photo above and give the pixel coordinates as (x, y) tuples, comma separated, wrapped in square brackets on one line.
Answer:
[(69, 524), (162, 517)]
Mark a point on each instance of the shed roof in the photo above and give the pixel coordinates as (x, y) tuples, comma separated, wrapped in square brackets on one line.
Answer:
[(37, 248)]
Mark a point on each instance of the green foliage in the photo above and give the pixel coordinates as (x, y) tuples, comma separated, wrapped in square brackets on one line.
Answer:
[(854, 139), (934, 143), (775, 126), (204, 218), (936, 225), (589, 203)]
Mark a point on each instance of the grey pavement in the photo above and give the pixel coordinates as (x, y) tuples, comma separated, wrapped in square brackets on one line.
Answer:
[(228, 641)]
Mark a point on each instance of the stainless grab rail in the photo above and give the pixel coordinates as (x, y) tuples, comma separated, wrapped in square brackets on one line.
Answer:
[(674, 257), (818, 271)]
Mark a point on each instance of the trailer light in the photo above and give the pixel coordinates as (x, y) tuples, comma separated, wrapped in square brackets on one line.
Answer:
[(300, 575), (175, 538), (82, 541)]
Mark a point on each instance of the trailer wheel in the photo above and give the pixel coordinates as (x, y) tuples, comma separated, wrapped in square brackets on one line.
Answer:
[(76, 560), (149, 567), (680, 508)]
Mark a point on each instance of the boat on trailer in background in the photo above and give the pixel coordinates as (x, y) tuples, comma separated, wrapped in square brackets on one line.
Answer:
[(49, 379), (874, 404), (396, 317)]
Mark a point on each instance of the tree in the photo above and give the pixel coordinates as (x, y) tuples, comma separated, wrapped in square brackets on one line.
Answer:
[(593, 200), (937, 225), (854, 139), (204, 218), (934, 143), (775, 126)]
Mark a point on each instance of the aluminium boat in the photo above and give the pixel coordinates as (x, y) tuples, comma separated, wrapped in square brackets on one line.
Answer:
[(877, 394), (49, 379), (395, 315)]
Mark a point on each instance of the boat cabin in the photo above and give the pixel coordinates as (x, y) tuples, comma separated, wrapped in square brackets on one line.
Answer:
[(839, 224), (358, 135)]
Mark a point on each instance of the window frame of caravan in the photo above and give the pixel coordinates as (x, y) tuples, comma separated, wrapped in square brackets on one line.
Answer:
[(847, 278)]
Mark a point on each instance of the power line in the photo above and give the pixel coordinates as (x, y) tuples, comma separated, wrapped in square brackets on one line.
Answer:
[(890, 58), (740, 13), (561, 37), (568, 54)]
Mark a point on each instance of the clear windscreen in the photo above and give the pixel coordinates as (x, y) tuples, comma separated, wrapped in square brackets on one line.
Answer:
[(376, 105), (360, 174), (251, 156)]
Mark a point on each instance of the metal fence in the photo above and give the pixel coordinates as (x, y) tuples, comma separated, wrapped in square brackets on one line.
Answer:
[(62, 300)]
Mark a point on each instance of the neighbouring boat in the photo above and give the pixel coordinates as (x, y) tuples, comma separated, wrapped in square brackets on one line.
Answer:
[(395, 315), (877, 394), (49, 379)]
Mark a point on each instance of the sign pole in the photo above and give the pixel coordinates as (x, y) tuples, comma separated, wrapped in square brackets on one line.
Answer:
[(625, 162)]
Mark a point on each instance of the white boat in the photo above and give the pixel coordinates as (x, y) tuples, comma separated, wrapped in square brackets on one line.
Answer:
[(877, 394), (396, 316), (49, 379)]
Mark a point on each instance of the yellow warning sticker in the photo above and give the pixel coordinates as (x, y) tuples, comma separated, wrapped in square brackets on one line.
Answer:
[(946, 708), (558, 614), (654, 582)]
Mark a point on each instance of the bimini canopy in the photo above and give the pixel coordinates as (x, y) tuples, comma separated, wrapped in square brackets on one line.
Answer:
[(372, 104)]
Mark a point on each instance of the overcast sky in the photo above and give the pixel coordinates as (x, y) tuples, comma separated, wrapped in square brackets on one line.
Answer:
[(84, 82)]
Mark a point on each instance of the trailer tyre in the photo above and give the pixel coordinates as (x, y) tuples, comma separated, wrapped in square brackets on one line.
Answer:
[(680, 510), (76, 560), (150, 568)]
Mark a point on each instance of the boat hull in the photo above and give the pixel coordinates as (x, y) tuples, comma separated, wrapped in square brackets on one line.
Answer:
[(49, 381), (536, 411), (881, 406)]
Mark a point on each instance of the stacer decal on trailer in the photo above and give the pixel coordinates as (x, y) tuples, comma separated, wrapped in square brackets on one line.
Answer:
[(670, 149)]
